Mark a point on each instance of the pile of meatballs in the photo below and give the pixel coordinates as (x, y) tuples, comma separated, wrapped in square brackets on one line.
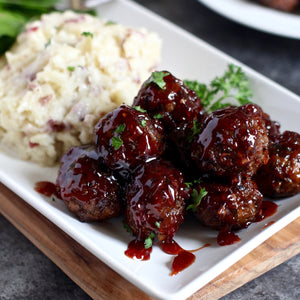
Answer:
[(150, 159)]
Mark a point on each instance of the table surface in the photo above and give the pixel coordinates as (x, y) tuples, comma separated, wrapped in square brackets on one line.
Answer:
[(25, 273)]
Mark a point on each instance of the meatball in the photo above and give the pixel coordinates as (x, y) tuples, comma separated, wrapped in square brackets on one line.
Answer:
[(156, 200), (89, 191), (171, 101), (224, 204), (285, 5), (126, 137), (177, 107), (233, 143), (281, 176), (273, 127)]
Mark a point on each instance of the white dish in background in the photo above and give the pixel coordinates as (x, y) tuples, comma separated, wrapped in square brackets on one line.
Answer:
[(255, 15), (186, 57)]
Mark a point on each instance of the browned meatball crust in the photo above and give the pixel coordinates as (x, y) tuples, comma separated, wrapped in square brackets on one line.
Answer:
[(156, 200), (88, 191), (281, 176), (233, 142), (228, 205)]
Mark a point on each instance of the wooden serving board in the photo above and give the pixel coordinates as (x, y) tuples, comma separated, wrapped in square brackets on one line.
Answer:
[(101, 282)]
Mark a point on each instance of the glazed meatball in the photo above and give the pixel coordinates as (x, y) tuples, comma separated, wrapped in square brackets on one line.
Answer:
[(177, 107), (285, 5), (156, 200), (273, 127), (126, 137), (224, 204), (233, 143), (172, 102), (281, 176), (88, 191)]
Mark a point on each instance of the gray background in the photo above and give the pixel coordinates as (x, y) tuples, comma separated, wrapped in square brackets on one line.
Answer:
[(25, 273)]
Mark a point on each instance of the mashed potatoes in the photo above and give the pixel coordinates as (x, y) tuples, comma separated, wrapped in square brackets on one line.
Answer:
[(64, 72)]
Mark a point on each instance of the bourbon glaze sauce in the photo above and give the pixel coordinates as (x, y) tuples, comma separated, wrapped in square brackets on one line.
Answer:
[(183, 259), (46, 188), (227, 237)]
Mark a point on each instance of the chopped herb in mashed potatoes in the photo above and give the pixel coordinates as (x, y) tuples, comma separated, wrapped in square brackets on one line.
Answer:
[(64, 72)]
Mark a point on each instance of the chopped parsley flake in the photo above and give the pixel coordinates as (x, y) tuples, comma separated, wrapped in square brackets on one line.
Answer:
[(86, 34), (196, 198), (188, 185), (116, 142), (158, 79), (128, 229), (71, 69), (158, 116), (148, 240), (110, 23), (157, 224), (48, 43), (120, 128), (143, 123), (196, 129), (138, 108)]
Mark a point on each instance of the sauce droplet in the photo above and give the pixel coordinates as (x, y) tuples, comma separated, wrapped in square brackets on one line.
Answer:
[(268, 208), (136, 250), (46, 188), (169, 246), (269, 224), (227, 237), (183, 260)]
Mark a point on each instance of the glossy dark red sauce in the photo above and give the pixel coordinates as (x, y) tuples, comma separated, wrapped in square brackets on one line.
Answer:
[(269, 224), (183, 258), (46, 188), (169, 246), (268, 208), (136, 250), (227, 237)]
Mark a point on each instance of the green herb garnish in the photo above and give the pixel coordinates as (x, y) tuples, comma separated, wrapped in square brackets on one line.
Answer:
[(110, 23), (48, 43), (158, 79), (149, 240), (86, 34), (197, 128), (158, 116), (196, 199), (232, 85), (143, 123), (71, 69), (128, 229), (157, 224), (116, 142), (138, 108), (120, 128)]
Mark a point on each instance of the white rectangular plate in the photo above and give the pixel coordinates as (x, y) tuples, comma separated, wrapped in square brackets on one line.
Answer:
[(188, 58)]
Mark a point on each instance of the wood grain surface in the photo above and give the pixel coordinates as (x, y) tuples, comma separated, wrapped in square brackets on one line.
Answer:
[(101, 282)]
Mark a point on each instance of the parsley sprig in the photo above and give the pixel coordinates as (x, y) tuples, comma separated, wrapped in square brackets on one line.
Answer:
[(158, 79), (149, 240), (232, 85), (196, 199), (116, 141)]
